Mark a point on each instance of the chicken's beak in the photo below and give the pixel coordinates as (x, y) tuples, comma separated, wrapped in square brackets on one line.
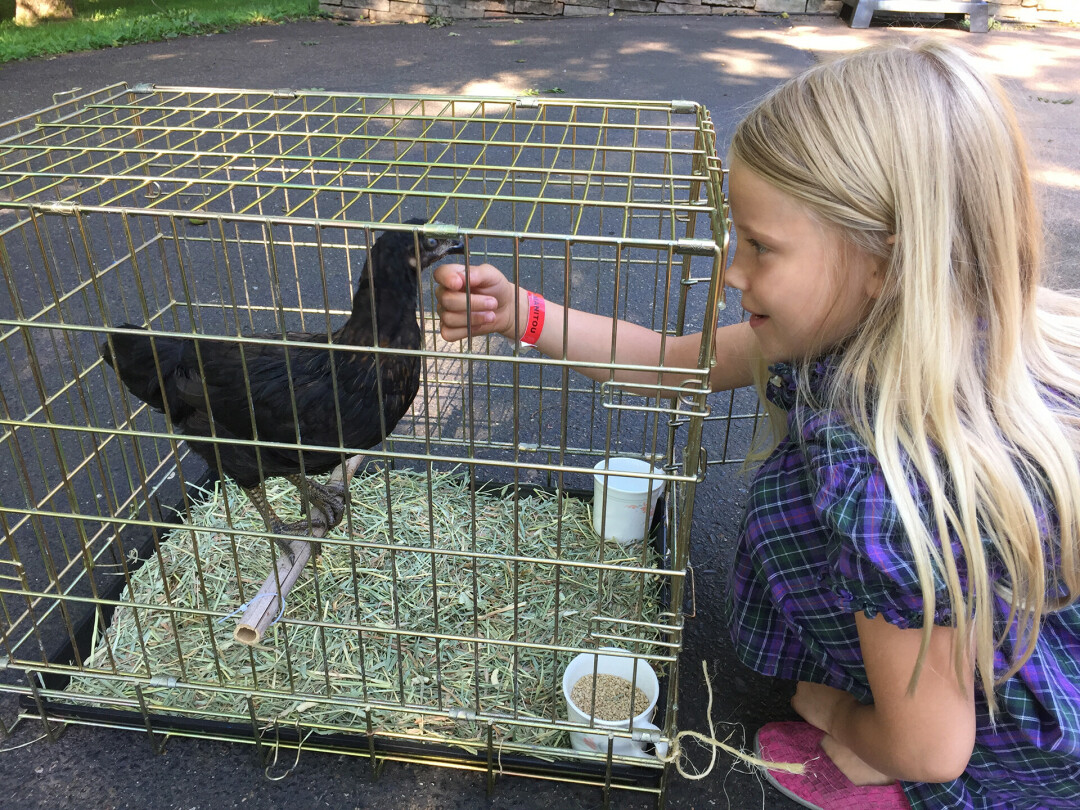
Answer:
[(458, 247)]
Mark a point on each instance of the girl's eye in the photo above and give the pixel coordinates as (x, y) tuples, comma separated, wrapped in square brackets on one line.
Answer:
[(756, 246)]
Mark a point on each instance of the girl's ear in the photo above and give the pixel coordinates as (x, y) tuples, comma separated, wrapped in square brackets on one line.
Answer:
[(875, 279)]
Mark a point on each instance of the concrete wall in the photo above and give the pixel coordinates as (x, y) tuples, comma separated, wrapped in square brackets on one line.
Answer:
[(1065, 11)]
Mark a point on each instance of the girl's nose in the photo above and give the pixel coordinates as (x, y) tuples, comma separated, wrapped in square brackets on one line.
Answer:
[(734, 275)]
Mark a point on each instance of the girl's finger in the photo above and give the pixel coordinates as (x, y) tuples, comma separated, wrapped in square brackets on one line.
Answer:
[(450, 276), (460, 302), (457, 317), (451, 332), (481, 277)]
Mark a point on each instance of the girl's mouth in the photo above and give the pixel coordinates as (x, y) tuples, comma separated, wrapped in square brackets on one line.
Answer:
[(757, 320)]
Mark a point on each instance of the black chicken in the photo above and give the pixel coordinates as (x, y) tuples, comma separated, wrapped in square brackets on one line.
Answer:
[(204, 384)]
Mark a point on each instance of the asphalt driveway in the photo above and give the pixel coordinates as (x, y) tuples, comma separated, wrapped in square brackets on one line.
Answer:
[(724, 63)]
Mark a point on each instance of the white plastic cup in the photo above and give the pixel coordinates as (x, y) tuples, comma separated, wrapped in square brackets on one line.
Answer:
[(634, 670), (623, 506)]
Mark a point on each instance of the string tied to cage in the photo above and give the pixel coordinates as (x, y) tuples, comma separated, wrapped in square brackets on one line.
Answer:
[(677, 753)]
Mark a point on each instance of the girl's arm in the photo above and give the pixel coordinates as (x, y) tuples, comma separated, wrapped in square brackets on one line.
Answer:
[(496, 306), (927, 736)]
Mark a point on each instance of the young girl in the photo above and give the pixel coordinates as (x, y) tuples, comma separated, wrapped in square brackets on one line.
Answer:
[(910, 552)]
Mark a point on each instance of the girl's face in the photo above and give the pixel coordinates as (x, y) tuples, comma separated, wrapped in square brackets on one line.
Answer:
[(804, 288)]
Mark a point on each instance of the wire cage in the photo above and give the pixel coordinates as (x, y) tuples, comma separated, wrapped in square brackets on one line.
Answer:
[(466, 574)]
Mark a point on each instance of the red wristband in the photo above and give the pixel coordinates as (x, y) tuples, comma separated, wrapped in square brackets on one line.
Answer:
[(534, 321)]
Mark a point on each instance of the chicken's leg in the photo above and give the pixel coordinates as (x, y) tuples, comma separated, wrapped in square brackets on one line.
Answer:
[(304, 528), (267, 603)]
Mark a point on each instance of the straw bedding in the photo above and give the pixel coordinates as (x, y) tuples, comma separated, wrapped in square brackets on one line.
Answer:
[(332, 640)]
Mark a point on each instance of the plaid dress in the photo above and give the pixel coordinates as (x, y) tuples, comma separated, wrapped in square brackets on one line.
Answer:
[(822, 540)]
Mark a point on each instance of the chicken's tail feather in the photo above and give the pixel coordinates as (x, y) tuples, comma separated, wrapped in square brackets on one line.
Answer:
[(133, 358)]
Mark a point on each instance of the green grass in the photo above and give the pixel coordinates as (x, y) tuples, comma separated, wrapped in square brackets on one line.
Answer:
[(109, 23)]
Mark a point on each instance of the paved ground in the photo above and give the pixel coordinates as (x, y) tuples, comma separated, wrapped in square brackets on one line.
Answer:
[(724, 63)]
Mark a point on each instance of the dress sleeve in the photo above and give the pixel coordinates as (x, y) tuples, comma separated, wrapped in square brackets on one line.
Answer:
[(870, 564)]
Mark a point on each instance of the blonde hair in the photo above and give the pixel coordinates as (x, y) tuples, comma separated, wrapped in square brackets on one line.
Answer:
[(966, 373)]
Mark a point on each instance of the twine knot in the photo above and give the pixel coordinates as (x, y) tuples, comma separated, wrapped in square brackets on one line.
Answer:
[(677, 753)]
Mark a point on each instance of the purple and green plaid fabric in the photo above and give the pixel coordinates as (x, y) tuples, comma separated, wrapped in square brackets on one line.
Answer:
[(822, 540)]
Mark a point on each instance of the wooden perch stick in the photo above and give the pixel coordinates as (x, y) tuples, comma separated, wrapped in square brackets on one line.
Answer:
[(263, 608)]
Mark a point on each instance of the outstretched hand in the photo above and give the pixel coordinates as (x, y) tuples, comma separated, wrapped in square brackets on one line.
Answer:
[(486, 306)]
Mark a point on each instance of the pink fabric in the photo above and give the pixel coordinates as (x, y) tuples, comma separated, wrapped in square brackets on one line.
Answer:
[(821, 786)]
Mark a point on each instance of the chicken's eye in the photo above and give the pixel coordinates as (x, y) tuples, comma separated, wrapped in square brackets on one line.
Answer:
[(431, 243)]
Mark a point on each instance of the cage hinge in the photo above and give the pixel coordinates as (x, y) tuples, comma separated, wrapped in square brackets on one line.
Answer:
[(284, 92), (528, 103), (695, 247), (462, 714), (681, 106), (4, 661), (64, 208), (164, 680), (142, 87)]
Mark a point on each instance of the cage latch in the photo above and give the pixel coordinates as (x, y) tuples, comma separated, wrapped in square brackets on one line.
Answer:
[(168, 681), (142, 87), (528, 103), (4, 661), (462, 714), (684, 107), (283, 93)]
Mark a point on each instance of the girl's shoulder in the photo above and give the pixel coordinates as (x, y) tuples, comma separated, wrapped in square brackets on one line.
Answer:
[(841, 476), (824, 435)]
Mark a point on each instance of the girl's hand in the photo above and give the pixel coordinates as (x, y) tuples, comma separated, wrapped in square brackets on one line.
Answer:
[(818, 704), (487, 307)]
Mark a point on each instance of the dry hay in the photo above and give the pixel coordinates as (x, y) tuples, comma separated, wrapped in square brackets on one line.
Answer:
[(412, 683)]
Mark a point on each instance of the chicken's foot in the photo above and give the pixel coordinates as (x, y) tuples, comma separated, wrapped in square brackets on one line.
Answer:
[(329, 498), (304, 528)]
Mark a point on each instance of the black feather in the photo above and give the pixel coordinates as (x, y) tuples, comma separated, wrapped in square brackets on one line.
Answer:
[(204, 384)]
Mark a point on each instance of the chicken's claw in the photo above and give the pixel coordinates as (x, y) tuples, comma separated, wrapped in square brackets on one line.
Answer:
[(329, 499)]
